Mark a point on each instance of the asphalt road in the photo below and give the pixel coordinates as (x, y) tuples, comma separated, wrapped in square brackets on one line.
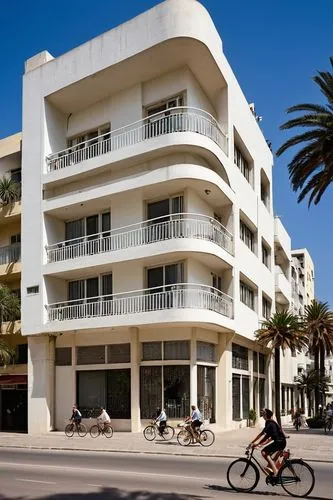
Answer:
[(58, 475)]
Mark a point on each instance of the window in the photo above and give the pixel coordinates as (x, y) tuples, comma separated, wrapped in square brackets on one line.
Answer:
[(262, 363), (241, 163), (168, 350), (255, 361), (264, 194), (119, 353), (246, 235), (161, 119), (31, 290), (265, 254), (240, 357), (206, 352), (16, 175), (217, 282), (206, 387), (63, 356), (89, 226), (90, 355), (266, 308), (85, 139), (247, 295), (90, 289), (110, 389), (174, 102), (21, 357), (160, 278), (164, 208), (15, 238), (240, 396)]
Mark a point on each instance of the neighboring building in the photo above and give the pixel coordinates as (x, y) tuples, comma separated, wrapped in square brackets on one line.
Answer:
[(13, 378), (148, 228), (302, 280)]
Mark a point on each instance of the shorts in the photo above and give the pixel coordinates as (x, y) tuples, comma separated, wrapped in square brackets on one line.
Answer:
[(275, 446)]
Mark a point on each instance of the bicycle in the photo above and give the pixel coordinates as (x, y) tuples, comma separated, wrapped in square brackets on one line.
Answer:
[(80, 428), (185, 436), (152, 430), (98, 429), (295, 476), (297, 422), (328, 424)]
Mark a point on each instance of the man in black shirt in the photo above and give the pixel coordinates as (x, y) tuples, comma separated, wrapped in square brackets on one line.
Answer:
[(272, 434)]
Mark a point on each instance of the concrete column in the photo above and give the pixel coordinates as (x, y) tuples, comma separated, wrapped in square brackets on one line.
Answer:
[(135, 380), (193, 369), (41, 383), (224, 380)]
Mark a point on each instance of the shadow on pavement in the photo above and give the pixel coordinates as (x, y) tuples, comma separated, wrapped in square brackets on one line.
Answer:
[(278, 493), (110, 494)]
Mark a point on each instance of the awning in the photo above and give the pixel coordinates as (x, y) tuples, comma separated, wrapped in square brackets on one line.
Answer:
[(13, 379)]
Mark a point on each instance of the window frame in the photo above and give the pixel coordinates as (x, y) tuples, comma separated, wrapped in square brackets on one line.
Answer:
[(249, 299), (247, 235)]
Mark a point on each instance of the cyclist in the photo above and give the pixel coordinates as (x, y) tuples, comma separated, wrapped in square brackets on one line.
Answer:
[(104, 419), (196, 421), (274, 437), (161, 418), (297, 421), (76, 416)]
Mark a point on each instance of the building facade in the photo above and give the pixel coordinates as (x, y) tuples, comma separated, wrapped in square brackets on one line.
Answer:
[(151, 254), (13, 378)]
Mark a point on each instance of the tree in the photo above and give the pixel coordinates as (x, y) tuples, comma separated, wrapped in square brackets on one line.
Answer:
[(6, 353), (318, 323), (10, 307), (311, 169), (10, 190), (282, 331)]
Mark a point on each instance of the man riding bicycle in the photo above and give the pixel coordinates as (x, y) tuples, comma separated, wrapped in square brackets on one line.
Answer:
[(195, 420), (76, 416), (161, 419), (274, 437), (104, 419)]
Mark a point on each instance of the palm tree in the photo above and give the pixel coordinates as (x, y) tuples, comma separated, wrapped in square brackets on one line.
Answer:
[(10, 307), (10, 190), (6, 353), (282, 331), (311, 169), (307, 382), (318, 322)]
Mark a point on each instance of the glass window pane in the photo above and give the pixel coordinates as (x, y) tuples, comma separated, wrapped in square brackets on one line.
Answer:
[(119, 393), (107, 284), (151, 351), (92, 287), (92, 224), (63, 356), (74, 229), (90, 355), (173, 274), (150, 390), (155, 277), (240, 357), (246, 396), (158, 209), (236, 397), (106, 221), (176, 391), (262, 363), (177, 349), (255, 361), (119, 353), (76, 290), (262, 398), (91, 391), (206, 352), (206, 392)]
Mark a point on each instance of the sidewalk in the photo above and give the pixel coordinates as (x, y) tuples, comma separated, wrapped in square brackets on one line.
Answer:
[(310, 444)]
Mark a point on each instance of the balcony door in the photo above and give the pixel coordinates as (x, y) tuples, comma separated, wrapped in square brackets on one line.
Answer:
[(159, 281), (159, 213), (160, 120)]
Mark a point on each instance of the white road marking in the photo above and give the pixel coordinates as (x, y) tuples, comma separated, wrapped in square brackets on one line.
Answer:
[(95, 485), (108, 471), (35, 481)]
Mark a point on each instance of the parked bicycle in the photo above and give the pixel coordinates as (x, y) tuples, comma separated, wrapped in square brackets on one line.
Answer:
[(295, 476), (186, 436), (153, 430), (72, 427), (101, 428)]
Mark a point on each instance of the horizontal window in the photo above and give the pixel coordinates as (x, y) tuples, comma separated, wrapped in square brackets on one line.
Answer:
[(119, 353), (167, 350), (63, 356), (90, 355)]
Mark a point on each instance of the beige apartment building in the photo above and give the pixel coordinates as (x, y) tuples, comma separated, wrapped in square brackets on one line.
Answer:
[(13, 378)]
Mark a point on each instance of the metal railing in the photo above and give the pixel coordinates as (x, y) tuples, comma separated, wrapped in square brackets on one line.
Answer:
[(176, 296), (179, 119), (10, 253), (173, 226)]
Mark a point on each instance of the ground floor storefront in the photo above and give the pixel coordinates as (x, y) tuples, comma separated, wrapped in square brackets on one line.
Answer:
[(132, 372), (13, 403)]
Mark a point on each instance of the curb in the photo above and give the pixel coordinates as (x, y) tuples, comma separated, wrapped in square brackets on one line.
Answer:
[(139, 452)]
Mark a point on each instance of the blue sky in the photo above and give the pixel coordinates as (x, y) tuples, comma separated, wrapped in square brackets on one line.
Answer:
[(274, 48)]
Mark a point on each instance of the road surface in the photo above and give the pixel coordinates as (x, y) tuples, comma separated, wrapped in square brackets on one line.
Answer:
[(60, 475)]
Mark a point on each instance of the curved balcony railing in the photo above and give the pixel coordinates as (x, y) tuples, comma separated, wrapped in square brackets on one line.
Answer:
[(179, 119), (177, 296), (10, 253), (174, 226)]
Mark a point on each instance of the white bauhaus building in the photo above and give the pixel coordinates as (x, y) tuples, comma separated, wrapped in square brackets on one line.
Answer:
[(148, 229)]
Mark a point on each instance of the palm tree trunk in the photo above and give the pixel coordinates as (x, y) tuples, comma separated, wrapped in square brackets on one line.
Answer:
[(322, 373), (317, 391), (277, 385)]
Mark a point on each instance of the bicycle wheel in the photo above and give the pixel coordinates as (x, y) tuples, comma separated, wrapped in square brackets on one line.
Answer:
[(168, 433), (69, 430), (94, 431), (206, 438), (82, 430), (149, 433), (296, 478), (108, 431), (184, 437), (242, 475), (327, 427)]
